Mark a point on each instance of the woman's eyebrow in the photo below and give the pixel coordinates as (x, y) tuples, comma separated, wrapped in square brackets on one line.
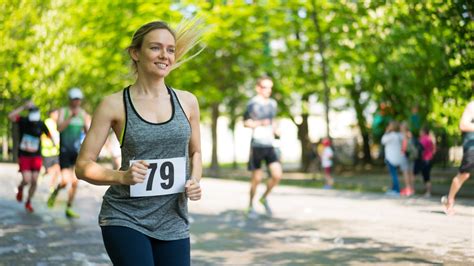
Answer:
[(159, 43)]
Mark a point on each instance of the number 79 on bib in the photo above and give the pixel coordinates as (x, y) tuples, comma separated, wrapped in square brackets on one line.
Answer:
[(164, 177)]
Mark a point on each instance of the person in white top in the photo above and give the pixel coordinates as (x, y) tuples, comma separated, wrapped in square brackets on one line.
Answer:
[(392, 141), (326, 162)]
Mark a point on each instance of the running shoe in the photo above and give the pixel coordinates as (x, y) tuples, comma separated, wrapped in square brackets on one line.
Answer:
[(19, 194), (444, 200), (407, 192), (251, 213), (71, 214), (327, 187), (264, 202), (392, 193), (52, 199), (448, 210), (28, 207)]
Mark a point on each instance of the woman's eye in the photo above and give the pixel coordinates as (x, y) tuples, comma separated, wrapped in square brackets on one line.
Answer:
[(155, 48), (171, 50)]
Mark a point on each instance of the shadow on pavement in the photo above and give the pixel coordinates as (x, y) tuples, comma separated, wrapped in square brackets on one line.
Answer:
[(230, 238), (47, 237)]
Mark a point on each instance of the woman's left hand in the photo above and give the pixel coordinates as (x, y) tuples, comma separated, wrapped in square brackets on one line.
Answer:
[(193, 189)]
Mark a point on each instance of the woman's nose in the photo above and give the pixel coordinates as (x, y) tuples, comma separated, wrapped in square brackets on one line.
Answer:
[(162, 53)]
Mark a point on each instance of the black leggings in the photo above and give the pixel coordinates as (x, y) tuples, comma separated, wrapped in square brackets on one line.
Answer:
[(126, 246), (425, 168)]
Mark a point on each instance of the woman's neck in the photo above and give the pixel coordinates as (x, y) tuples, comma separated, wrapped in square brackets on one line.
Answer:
[(153, 87)]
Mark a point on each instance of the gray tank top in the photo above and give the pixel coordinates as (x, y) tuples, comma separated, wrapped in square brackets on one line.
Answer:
[(163, 217)]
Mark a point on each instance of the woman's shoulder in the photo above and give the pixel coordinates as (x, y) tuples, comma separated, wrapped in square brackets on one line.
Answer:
[(185, 96), (114, 98), (183, 92), (112, 101)]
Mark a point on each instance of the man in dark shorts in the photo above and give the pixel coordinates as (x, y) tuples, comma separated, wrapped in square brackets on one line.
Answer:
[(467, 165), (73, 123), (29, 149), (260, 117)]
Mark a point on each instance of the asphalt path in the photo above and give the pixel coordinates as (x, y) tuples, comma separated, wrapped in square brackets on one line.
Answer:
[(308, 227)]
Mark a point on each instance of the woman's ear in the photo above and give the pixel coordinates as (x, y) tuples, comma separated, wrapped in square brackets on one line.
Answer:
[(134, 54)]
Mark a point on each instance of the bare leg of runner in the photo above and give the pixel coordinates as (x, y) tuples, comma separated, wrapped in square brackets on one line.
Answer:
[(27, 180), (52, 197), (256, 179), (276, 171), (33, 183), (54, 173), (448, 202), (68, 174), (24, 181)]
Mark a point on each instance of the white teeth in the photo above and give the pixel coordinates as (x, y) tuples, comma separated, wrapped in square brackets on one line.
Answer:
[(162, 66)]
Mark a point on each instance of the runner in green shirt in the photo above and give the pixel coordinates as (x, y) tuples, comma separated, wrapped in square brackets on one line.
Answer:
[(73, 124)]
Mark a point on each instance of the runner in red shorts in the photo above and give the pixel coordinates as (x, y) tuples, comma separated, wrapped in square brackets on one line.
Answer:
[(29, 149)]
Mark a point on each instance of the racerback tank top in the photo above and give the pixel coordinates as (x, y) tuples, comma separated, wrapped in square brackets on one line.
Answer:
[(163, 217)]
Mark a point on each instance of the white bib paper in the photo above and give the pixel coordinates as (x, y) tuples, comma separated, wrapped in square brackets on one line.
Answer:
[(164, 177), (29, 143), (263, 133)]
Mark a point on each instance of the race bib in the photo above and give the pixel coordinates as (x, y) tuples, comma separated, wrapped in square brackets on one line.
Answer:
[(78, 142), (263, 133), (164, 177), (29, 143)]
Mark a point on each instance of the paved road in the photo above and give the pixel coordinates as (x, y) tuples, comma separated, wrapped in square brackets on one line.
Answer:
[(310, 226)]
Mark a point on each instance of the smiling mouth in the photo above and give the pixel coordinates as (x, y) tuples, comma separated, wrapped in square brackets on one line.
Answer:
[(161, 65)]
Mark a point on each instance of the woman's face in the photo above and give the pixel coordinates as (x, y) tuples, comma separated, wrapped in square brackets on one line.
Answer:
[(157, 54)]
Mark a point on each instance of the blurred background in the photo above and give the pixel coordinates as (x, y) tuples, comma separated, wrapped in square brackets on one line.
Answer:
[(341, 69)]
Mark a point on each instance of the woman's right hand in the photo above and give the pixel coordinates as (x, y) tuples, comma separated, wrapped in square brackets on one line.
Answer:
[(135, 174)]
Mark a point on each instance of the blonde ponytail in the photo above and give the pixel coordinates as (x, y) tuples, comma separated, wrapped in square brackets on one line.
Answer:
[(189, 33)]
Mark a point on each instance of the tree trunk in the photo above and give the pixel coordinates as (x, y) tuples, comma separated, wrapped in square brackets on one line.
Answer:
[(214, 159), (361, 123), (322, 48), (365, 145), (234, 137), (303, 136), (5, 147)]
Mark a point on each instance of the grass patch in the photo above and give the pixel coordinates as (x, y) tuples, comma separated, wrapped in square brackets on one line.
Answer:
[(376, 180)]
